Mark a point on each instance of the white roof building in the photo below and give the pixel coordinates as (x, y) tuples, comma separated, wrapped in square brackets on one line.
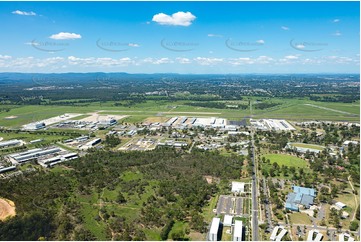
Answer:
[(281, 234), (34, 126), (213, 232), (237, 187), (345, 214), (340, 205), (227, 221), (10, 143), (237, 231), (274, 233), (347, 142)]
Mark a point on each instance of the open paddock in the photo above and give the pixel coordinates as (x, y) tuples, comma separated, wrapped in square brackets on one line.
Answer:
[(7, 209)]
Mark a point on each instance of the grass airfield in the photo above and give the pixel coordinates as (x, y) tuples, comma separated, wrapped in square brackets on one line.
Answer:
[(290, 109)]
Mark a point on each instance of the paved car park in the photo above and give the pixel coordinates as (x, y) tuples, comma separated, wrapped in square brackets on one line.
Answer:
[(230, 205)]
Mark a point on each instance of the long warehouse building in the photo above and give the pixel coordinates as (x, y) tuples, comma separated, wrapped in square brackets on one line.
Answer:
[(238, 230), (213, 232), (8, 143), (32, 154)]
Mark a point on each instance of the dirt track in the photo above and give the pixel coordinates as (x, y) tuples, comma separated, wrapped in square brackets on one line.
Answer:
[(7, 208)]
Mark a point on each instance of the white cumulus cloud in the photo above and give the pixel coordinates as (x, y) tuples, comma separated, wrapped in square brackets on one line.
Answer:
[(65, 35), (285, 28), (155, 61), (176, 19), (18, 12), (337, 33), (241, 61), (204, 61), (183, 60), (133, 45), (291, 57), (261, 41), (215, 35), (336, 20), (264, 59), (5, 57)]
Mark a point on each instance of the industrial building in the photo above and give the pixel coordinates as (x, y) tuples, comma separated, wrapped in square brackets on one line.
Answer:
[(173, 143), (210, 122), (89, 123), (9, 143), (170, 122), (301, 196), (272, 124), (230, 128), (183, 122), (33, 154), (36, 141), (57, 159), (303, 150), (94, 142), (45, 157), (5, 169), (108, 122), (81, 138), (90, 144), (34, 126), (238, 230), (213, 232), (314, 235)]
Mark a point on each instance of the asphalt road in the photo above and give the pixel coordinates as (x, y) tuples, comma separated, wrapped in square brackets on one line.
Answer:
[(255, 231)]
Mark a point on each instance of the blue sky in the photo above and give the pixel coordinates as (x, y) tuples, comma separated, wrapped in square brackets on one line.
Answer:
[(180, 37)]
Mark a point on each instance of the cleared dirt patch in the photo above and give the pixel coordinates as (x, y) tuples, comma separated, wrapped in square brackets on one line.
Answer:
[(7, 209), (95, 117), (155, 120), (10, 117)]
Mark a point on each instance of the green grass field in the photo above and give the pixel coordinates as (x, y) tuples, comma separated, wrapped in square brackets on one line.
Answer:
[(97, 227), (346, 107), (208, 210), (300, 218), (286, 160), (292, 109), (153, 234), (129, 175), (295, 109)]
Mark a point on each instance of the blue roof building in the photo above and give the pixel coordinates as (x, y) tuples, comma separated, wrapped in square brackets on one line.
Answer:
[(300, 196), (304, 190)]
